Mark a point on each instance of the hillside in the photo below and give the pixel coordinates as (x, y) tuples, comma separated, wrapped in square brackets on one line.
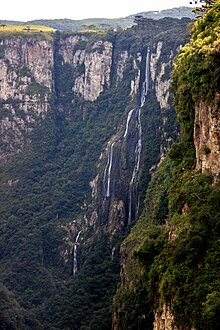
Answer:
[(85, 119), (104, 23), (170, 260)]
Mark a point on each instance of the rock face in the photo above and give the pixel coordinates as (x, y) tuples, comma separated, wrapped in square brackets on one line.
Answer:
[(121, 65), (116, 201), (154, 59), (136, 81), (26, 84), (95, 64), (207, 137), (164, 321)]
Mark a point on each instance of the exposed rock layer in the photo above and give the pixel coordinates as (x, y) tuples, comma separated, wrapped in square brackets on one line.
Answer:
[(207, 136)]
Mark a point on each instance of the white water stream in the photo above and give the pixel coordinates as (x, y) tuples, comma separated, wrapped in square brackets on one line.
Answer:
[(127, 123), (138, 149), (75, 265), (133, 115), (145, 86), (108, 169)]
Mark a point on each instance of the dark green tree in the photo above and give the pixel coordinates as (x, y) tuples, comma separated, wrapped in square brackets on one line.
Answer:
[(206, 5)]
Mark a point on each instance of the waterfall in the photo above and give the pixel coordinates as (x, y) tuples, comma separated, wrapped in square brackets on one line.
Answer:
[(145, 85), (136, 163), (75, 266), (85, 219), (134, 141), (108, 169), (145, 88), (113, 253), (127, 123), (138, 149)]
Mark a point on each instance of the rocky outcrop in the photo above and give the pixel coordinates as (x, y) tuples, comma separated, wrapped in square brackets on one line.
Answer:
[(163, 86), (92, 65), (164, 321), (34, 54), (207, 136), (136, 81), (69, 45), (154, 59), (25, 86), (121, 66), (160, 74), (97, 71)]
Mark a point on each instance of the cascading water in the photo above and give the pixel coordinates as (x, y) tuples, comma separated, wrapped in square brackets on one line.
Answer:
[(127, 123), (133, 120), (108, 169), (145, 85), (137, 162), (85, 219), (144, 91), (138, 148), (75, 265)]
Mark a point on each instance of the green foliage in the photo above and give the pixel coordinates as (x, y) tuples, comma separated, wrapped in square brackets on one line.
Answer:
[(181, 273), (205, 150), (11, 314), (85, 300), (36, 89), (145, 241), (189, 264), (43, 188), (206, 5), (196, 72), (102, 23), (184, 275)]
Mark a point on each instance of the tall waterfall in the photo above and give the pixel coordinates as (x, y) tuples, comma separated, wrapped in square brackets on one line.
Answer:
[(75, 265), (136, 163), (108, 169), (133, 141), (138, 148), (127, 123), (144, 91), (145, 85)]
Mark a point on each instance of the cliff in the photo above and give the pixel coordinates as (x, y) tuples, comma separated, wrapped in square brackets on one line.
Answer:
[(91, 117), (207, 136), (169, 274), (26, 86)]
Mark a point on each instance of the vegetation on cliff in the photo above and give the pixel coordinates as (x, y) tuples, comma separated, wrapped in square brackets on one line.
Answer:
[(181, 274), (45, 192)]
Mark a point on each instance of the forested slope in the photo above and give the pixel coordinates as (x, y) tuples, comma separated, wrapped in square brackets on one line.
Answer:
[(170, 260)]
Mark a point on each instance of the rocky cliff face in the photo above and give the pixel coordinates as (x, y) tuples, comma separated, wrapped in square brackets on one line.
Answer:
[(26, 84), (164, 321), (207, 137), (116, 199), (93, 65)]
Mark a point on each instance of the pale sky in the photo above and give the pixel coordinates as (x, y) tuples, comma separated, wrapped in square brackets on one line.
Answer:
[(24, 10)]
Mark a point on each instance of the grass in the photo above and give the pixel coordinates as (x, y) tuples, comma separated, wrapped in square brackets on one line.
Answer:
[(24, 29), (44, 32)]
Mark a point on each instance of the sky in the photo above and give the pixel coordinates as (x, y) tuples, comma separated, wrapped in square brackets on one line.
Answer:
[(24, 10)]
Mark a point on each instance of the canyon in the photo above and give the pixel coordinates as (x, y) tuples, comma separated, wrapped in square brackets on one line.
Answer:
[(91, 206)]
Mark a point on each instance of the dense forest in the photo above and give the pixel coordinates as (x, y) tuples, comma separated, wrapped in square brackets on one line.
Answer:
[(109, 196), (171, 256)]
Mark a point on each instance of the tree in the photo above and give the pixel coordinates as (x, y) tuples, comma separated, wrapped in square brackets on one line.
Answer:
[(206, 5)]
